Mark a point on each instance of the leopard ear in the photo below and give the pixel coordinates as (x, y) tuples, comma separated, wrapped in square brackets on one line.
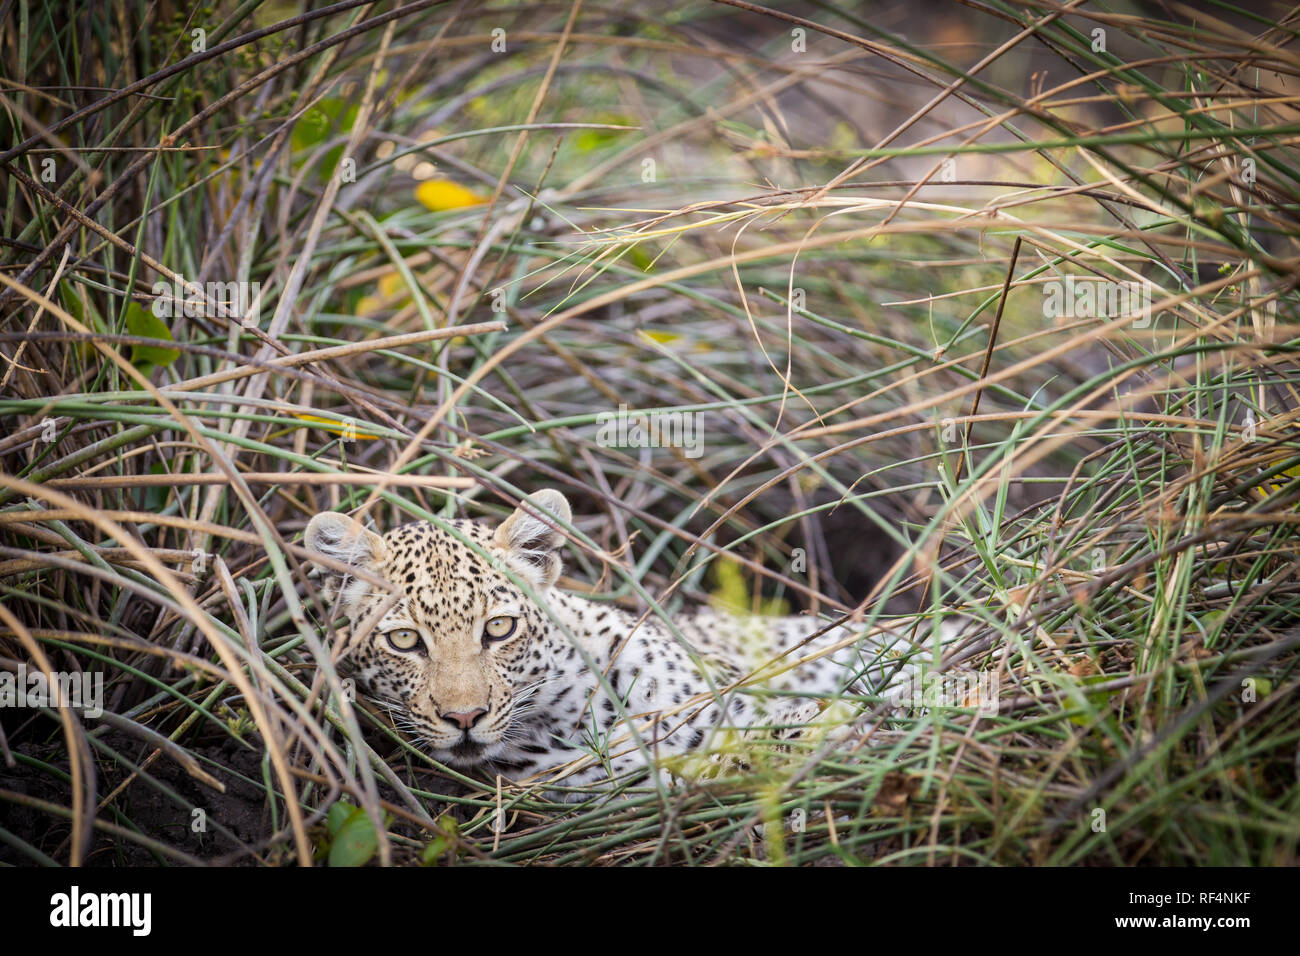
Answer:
[(344, 540), (530, 538)]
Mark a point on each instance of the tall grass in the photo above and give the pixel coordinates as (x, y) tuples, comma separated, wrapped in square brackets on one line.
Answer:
[(831, 231)]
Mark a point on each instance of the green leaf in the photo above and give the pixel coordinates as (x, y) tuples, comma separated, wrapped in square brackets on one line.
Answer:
[(338, 815), (142, 322), (317, 123), (429, 855), (446, 839), (355, 841), (330, 117), (448, 830), (589, 140)]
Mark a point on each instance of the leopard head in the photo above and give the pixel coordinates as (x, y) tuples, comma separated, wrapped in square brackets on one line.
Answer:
[(459, 648)]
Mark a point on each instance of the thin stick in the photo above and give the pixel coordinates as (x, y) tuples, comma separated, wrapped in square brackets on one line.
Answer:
[(988, 358)]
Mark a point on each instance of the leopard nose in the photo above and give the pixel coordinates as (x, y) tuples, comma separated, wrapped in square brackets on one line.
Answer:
[(466, 718)]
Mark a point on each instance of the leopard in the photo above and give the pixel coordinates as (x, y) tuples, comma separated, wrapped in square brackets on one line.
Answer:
[(492, 668)]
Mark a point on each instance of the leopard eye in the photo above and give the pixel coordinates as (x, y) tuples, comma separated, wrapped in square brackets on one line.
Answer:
[(404, 638), (499, 628)]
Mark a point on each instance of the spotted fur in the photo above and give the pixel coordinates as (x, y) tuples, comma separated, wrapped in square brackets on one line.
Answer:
[(535, 701)]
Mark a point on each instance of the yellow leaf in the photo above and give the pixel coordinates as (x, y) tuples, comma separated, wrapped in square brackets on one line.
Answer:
[(1272, 488), (443, 194), (663, 338), (334, 427), (732, 595), (390, 283)]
